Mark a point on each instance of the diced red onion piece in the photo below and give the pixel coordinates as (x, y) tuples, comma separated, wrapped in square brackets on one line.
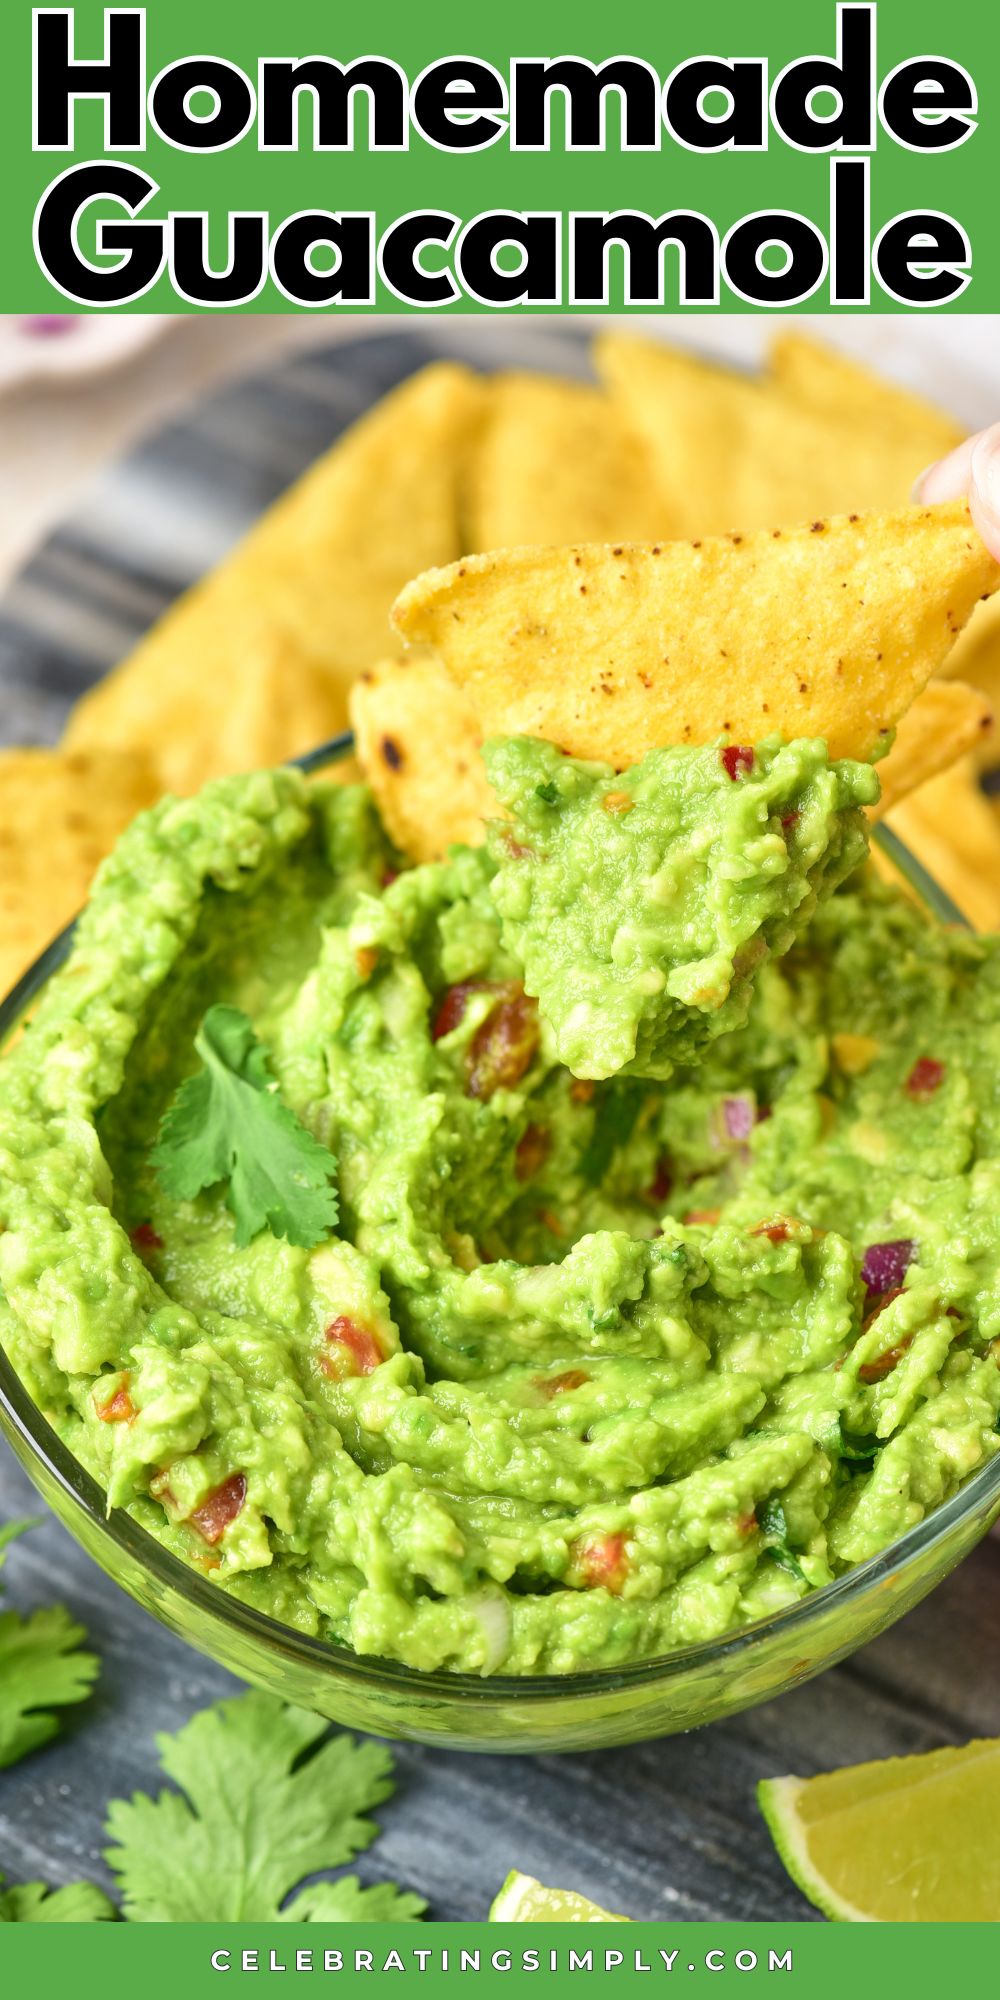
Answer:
[(886, 1264), (738, 1116)]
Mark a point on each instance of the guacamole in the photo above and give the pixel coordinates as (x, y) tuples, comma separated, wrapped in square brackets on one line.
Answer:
[(663, 1290)]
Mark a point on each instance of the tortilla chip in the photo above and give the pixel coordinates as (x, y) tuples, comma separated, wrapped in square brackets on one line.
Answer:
[(947, 720), (554, 463), (826, 379), (198, 722), (61, 812), (825, 631), (955, 831), (976, 658), (254, 663), (732, 451), (418, 743)]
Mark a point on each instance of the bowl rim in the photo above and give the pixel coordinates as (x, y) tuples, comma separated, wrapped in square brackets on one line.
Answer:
[(222, 1609)]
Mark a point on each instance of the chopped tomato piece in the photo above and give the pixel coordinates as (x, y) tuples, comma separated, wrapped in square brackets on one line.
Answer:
[(516, 848), (708, 1216), (502, 1048), (532, 1152), (777, 1230), (355, 1341), (451, 1012), (661, 1186), (737, 758), (581, 1090), (366, 959), (877, 1304), (557, 1385), (925, 1077), (883, 1364), (144, 1237), (389, 876), (746, 1523), (790, 819), (119, 1408), (219, 1508), (551, 1222), (603, 1561)]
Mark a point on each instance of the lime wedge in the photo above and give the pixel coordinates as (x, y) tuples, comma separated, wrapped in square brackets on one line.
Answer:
[(522, 1900), (910, 1840)]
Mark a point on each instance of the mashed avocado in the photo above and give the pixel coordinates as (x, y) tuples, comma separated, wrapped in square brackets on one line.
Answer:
[(595, 1364), (641, 906)]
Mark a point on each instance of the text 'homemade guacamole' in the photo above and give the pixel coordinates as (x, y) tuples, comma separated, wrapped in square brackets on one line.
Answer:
[(665, 1277)]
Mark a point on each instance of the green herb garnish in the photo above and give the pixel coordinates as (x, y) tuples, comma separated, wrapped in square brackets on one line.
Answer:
[(844, 1444), (41, 1668), (227, 1123), (264, 1802), (774, 1527), (34, 1903), (614, 1121)]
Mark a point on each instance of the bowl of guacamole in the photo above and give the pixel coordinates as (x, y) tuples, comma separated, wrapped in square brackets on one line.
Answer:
[(539, 1298)]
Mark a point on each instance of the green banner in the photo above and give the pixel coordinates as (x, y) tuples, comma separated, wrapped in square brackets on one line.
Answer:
[(250, 158), (108, 1962)]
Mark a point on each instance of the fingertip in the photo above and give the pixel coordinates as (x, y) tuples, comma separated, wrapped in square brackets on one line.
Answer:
[(948, 478), (984, 487)]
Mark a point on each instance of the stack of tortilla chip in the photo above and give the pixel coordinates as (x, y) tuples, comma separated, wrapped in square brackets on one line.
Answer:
[(257, 662)]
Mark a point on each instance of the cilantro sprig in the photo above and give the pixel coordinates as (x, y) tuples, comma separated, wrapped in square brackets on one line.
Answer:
[(228, 1123), (34, 1903), (264, 1802), (42, 1668), (774, 1528), (266, 1798)]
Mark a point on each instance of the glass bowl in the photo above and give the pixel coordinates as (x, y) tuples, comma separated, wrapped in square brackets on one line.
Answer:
[(693, 1685)]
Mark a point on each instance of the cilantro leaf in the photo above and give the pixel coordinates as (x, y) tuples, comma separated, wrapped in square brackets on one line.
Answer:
[(346, 1902), (774, 1528), (41, 1668), (227, 1123), (614, 1120), (841, 1443), (33, 1903), (264, 1803)]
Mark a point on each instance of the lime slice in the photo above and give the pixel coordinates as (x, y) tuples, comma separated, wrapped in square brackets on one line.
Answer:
[(910, 1840), (522, 1900)]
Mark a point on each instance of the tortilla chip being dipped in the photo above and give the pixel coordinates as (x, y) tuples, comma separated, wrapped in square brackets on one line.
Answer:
[(554, 463), (61, 812), (418, 743), (253, 664), (947, 721), (829, 630)]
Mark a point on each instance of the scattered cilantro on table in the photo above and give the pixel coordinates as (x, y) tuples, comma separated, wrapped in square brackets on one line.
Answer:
[(264, 1803), (41, 1669), (227, 1123), (33, 1903)]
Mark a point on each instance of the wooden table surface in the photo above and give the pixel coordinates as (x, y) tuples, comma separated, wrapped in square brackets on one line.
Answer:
[(666, 1830)]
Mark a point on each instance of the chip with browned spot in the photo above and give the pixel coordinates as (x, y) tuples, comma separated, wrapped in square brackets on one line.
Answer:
[(829, 630)]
